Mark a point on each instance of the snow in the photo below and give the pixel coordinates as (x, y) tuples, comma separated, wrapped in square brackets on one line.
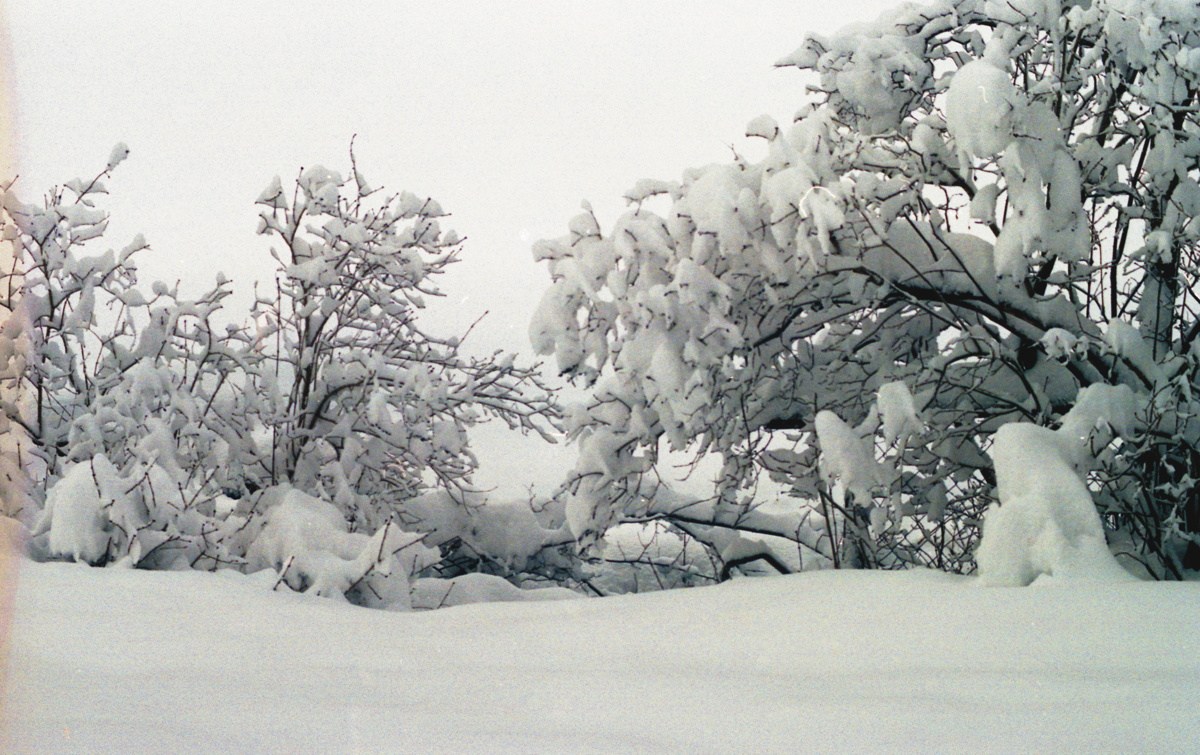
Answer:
[(1046, 524), (847, 456), (138, 662), (982, 109)]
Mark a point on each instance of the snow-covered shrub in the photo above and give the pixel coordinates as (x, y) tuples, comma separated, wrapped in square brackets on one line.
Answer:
[(140, 390), (368, 409), (15, 482), (52, 334), (83, 510), (99, 515), (156, 437), (991, 204)]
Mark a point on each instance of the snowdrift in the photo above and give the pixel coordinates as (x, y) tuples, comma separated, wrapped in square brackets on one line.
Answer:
[(108, 660)]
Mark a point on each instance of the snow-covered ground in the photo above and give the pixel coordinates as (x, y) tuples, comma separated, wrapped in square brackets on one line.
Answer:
[(106, 661)]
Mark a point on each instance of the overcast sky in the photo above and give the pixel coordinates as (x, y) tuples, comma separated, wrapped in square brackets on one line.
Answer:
[(508, 113)]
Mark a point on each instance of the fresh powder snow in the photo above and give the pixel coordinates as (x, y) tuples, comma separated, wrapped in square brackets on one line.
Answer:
[(113, 660)]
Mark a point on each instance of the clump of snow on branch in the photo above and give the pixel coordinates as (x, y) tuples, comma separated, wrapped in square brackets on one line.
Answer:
[(983, 109), (847, 456), (898, 413)]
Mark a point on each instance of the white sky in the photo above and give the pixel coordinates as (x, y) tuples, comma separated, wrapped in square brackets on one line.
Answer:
[(509, 114)]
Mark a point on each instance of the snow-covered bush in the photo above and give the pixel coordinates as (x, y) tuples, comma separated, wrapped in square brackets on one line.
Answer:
[(327, 441), (130, 403), (990, 205), (52, 338), (308, 542), (367, 409)]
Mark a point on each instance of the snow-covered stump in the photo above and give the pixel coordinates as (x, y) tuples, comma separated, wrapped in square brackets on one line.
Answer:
[(1046, 523)]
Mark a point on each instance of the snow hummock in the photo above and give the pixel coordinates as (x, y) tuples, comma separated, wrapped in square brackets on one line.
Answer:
[(130, 661)]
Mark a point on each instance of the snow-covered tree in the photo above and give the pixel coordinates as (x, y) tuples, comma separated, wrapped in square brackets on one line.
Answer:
[(983, 208), (123, 406), (366, 407), (326, 440)]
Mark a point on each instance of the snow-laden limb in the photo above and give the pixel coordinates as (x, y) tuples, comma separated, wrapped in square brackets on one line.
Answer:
[(509, 532), (1046, 523), (779, 535)]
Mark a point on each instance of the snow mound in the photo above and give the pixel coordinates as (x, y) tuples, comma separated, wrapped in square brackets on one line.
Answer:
[(479, 588), (1046, 523), (308, 542)]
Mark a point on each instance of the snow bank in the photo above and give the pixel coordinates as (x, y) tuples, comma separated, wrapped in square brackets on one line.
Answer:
[(126, 661)]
